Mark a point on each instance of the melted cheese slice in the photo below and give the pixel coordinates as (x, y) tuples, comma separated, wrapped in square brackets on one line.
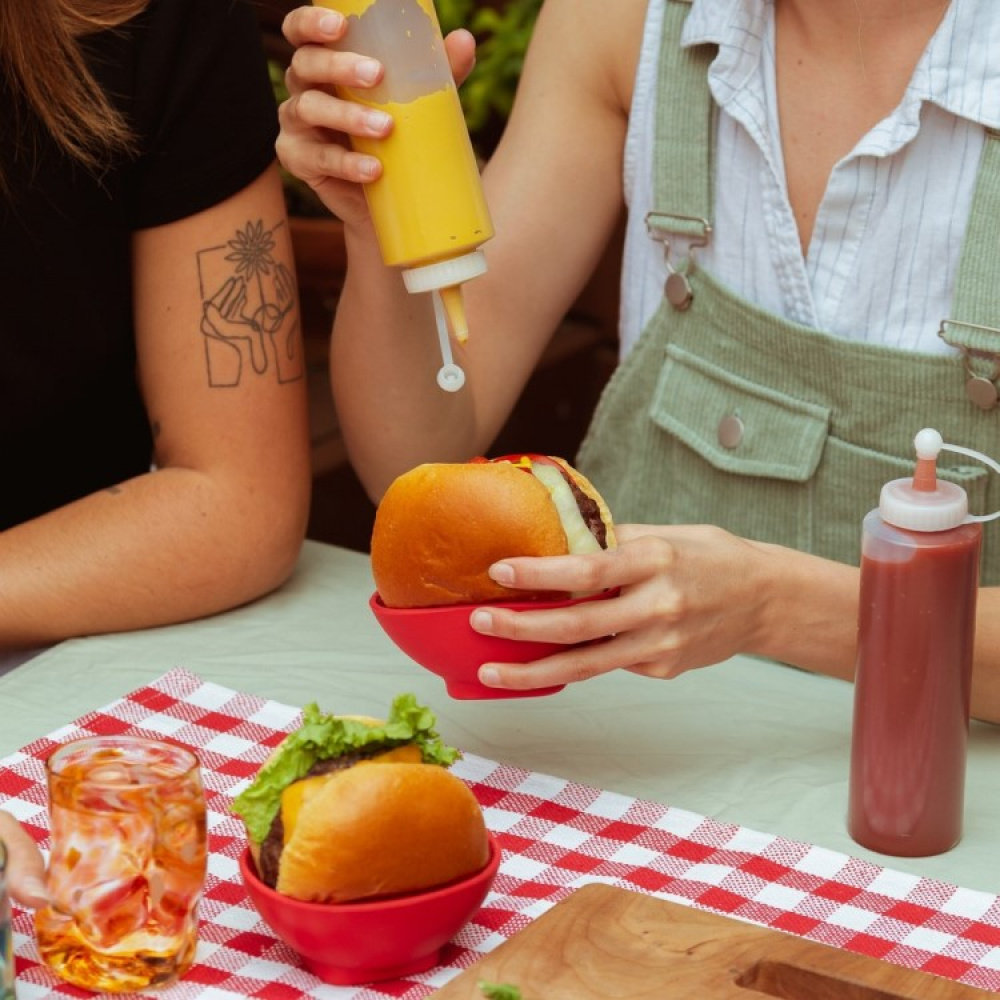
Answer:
[(579, 538), (295, 796)]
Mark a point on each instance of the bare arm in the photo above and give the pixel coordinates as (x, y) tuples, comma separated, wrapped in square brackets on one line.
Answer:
[(695, 595), (813, 624), (554, 190), (986, 672), (222, 518)]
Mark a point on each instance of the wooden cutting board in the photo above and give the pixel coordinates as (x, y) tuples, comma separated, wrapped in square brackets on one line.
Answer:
[(606, 943)]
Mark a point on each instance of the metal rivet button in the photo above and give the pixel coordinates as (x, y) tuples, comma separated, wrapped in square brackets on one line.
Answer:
[(678, 291), (982, 392), (730, 432)]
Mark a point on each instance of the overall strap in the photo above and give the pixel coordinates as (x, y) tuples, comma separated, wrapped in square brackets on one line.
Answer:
[(975, 299), (974, 324), (683, 195)]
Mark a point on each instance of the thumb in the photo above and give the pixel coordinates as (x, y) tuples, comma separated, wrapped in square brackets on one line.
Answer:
[(25, 864)]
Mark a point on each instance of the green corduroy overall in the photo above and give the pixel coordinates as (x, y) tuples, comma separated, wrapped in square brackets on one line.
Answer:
[(726, 414)]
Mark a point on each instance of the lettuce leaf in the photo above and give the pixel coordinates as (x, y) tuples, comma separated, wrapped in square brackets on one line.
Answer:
[(321, 737), (499, 991)]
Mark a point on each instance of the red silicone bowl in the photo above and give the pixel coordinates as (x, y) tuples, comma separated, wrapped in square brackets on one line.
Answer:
[(347, 944), (441, 640)]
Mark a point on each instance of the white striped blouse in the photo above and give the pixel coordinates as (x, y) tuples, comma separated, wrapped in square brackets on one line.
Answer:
[(884, 253)]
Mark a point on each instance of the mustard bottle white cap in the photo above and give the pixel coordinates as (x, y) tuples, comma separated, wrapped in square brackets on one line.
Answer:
[(445, 273)]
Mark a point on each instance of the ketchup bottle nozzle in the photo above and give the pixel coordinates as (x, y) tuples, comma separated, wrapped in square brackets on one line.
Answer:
[(926, 503), (928, 445)]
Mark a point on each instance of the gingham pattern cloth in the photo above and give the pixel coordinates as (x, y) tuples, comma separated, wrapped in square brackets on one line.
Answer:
[(556, 836)]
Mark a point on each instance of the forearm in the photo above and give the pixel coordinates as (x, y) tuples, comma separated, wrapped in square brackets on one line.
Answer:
[(166, 547), (810, 613), (811, 622), (384, 360), (986, 671)]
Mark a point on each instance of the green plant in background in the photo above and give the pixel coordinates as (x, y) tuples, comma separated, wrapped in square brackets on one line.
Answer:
[(502, 30)]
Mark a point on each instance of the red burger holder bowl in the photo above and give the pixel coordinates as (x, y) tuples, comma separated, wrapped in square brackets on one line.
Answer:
[(442, 641), (347, 944)]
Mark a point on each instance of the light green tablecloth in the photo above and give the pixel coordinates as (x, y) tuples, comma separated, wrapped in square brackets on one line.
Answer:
[(747, 742)]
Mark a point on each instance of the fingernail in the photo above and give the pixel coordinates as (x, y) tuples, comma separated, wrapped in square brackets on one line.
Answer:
[(367, 70), (502, 573), (489, 676), (368, 167), (481, 621), (377, 121), (329, 24)]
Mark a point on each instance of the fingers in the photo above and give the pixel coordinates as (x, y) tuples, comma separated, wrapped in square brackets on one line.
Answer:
[(316, 25), (641, 626), (308, 146), (628, 564), (636, 652), (569, 574), (314, 66), (584, 622), (316, 124), (25, 864)]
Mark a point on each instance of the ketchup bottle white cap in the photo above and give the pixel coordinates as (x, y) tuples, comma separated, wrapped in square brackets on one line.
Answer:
[(924, 503)]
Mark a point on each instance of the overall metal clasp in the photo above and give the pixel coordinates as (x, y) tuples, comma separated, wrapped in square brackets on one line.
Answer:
[(982, 363), (697, 232)]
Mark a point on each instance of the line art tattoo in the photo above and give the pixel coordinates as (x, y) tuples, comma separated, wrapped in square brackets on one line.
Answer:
[(248, 324)]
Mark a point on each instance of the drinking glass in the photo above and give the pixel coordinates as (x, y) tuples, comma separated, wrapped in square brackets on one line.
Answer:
[(6, 935), (127, 863)]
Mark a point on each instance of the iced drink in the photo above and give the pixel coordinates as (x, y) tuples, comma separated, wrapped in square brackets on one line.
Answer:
[(127, 863)]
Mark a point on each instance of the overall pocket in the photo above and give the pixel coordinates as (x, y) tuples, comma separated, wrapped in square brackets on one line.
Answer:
[(731, 452), (765, 465)]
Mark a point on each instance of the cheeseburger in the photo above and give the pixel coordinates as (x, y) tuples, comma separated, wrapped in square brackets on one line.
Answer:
[(440, 526), (348, 808)]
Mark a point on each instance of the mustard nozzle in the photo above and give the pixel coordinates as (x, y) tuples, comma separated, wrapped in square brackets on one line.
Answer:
[(454, 307)]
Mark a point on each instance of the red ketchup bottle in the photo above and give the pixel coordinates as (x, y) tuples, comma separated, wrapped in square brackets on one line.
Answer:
[(916, 627)]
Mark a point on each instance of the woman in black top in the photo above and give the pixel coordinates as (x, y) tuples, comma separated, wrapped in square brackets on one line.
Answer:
[(153, 431)]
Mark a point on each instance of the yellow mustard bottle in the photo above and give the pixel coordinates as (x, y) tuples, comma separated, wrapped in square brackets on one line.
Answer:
[(428, 207)]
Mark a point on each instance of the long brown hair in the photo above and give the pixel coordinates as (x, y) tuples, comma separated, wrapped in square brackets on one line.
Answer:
[(49, 80)]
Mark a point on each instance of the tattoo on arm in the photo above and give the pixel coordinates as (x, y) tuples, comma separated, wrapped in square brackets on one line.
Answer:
[(249, 323)]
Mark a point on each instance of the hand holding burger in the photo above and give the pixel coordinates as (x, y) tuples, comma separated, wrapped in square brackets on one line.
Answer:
[(441, 526), (349, 808)]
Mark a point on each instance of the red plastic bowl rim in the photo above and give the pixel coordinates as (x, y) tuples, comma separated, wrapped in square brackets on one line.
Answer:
[(486, 873), (525, 604)]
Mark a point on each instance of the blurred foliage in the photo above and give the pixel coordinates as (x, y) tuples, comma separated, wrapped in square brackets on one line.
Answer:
[(503, 30)]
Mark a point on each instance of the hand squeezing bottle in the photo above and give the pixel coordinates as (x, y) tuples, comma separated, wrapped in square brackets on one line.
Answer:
[(428, 207), (916, 627)]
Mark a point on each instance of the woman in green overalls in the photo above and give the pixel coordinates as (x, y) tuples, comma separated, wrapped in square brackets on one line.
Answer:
[(811, 275)]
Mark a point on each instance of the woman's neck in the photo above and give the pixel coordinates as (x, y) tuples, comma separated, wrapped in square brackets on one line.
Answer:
[(842, 66), (862, 25)]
